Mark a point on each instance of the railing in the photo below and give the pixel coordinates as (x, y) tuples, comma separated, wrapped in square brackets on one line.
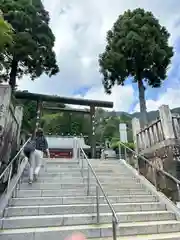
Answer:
[(155, 173), (6, 175), (176, 126), (150, 135), (81, 157)]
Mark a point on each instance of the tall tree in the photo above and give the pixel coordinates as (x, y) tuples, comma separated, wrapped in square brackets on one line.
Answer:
[(6, 40), (6, 32), (137, 46), (32, 52)]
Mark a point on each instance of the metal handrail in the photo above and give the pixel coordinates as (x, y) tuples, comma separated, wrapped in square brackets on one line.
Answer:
[(99, 185), (14, 158), (154, 167)]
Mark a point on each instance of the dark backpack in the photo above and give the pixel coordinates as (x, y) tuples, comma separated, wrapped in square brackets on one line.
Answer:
[(29, 148)]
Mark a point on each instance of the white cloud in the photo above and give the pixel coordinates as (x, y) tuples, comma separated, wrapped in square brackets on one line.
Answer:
[(122, 96), (170, 97), (80, 29)]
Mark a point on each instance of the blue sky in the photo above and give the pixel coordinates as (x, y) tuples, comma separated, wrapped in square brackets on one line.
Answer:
[(80, 29)]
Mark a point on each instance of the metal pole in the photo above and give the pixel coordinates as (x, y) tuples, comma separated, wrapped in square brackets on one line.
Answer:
[(88, 182), (178, 190), (137, 163), (125, 154), (120, 157), (9, 177), (154, 176), (97, 203), (114, 227), (82, 168)]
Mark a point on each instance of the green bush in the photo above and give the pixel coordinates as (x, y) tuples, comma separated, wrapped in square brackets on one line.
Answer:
[(115, 145)]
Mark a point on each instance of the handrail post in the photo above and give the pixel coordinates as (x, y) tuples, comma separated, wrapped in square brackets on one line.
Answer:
[(155, 177), (88, 182), (137, 163), (97, 203), (114, 227), (9, 177), (82, 167), (125, 155), (120, 157), (178, 191)]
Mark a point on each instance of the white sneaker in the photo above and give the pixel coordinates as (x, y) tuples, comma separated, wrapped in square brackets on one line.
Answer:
[(30, 182)]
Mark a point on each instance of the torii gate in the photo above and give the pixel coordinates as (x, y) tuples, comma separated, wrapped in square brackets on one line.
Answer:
[(92, 104)]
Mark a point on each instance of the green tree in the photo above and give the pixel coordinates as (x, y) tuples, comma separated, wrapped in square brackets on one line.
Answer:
[(32, 52), (6, 40), (29, 115), (6, 32), (137, 46)]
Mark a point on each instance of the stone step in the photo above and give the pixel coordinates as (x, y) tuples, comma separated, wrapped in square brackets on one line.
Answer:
[(95, 231), (61, 174), (63, 161), (80, 200), (62, 170), (119, 182), (75, 192), (62, 165), (80, 208), (81, 180), (80, 219), (69, 186), (78, 168), (102, 178), (160, 236), (79, 175), (57, 180)]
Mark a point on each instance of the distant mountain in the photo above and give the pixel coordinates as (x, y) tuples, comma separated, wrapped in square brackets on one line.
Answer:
[(152, 115)]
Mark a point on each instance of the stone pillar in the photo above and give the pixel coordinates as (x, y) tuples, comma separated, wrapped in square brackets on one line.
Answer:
[(136, 128), (19, 116), (166, 121), (5, 98)]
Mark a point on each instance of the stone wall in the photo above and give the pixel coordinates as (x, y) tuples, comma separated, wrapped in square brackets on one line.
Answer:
[(10, 126), (159, 142)]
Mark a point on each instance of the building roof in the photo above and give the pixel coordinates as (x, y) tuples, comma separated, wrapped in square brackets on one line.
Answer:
[(65, 100)]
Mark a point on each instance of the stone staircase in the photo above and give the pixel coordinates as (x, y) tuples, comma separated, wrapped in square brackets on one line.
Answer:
[(57, 205)]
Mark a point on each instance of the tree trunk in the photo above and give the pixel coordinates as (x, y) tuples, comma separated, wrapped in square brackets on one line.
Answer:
[(13, 73), (142, 102)]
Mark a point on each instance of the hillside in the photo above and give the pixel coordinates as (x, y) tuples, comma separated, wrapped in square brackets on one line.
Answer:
[(152, 115)]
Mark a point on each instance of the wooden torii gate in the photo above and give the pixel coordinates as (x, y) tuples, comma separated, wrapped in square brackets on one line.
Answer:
[(92, 104)]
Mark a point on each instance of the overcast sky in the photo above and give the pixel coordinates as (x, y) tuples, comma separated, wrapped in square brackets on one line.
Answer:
[(80, 28)]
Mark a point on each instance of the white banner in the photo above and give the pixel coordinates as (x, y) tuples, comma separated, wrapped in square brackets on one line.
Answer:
[(123, 132)]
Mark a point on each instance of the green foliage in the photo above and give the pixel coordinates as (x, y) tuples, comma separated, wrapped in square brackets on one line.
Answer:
[(137, 46), (6, 32), (29, 115), (66, 123), (6, 40), (115, 145), (108, 127), (32, 52)]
